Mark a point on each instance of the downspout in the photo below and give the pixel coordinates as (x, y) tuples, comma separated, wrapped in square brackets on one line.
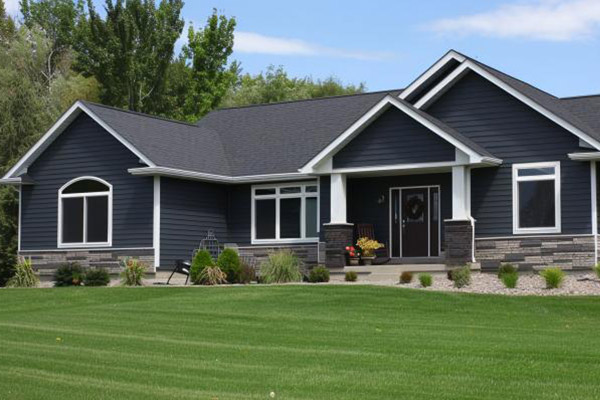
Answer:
[(594, 196)]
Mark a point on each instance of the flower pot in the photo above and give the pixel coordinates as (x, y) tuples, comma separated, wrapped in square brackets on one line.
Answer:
[(368, 260), (354, 261)]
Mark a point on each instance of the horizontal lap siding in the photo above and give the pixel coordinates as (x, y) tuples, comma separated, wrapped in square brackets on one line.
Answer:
[(189, 209), (86, 149), (364, 193), (394, 138), (517, 134), (239, 213)]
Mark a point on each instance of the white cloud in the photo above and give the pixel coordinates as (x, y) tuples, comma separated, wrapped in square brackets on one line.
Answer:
[(255, 43), (12, 7), (553, 20)]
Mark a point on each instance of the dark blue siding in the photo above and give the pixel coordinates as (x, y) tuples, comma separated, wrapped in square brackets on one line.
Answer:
[(324, 203), (394, 138), (85, 148), (517, 134), (239, 212), (188, 210), (363, 195)]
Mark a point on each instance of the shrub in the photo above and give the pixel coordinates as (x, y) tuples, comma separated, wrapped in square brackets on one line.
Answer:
[(212, 276), (351, 276), (406, 277), (23, 274), (229, 262), (282, 266), (597, 270), (247, 273), (96, 277), (426, 280), (461, 276), (70, 274), (506, 269), (449, 274), (133, 272), (510, 279), (201, 260), (318, 274), (554, 277)]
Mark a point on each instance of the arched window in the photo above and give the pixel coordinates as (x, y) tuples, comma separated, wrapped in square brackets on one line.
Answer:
[(85, 213)]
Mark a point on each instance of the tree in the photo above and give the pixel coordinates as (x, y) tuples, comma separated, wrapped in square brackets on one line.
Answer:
[(274, 85), (208, 51), (7, 25), (130, 50)]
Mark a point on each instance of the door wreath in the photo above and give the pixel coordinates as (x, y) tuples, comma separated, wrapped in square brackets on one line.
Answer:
[(414, 208)]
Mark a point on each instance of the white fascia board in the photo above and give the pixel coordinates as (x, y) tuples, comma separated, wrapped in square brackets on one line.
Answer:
[(451, 55), (313, 165), (184, 174), (11, 181), (590, 156), (468, 65), (398, 167), (59, 126)]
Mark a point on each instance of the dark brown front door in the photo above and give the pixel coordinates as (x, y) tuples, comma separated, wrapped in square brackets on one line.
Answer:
[(415, 222)]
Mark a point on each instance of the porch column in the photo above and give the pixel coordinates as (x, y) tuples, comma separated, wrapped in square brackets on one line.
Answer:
[(459, 231), (338, 232)]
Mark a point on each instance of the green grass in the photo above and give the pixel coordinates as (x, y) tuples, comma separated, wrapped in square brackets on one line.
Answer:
[(301, 342)]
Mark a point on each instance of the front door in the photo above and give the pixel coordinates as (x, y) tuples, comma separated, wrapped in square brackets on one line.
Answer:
[(415, 222)]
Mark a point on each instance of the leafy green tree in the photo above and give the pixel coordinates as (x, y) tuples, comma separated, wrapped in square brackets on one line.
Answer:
[(7, 25), (275, 85), (129, 51), (208, 51)]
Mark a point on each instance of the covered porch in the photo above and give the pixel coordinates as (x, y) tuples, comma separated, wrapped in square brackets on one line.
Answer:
[(421, 215)]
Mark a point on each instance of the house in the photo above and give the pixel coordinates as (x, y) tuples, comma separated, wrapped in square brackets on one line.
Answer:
[(466, 164)]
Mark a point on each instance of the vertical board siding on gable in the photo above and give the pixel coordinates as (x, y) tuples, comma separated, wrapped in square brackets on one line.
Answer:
[(517, 134), (364, 193), (188, 210), (394, 138), (86, 149)]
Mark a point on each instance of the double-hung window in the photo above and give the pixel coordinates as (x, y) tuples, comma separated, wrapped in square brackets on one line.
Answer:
[(85, 213), (285, 213), (536, 197)]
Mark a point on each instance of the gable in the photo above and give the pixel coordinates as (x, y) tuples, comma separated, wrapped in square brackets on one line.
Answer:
[(394, 138), (501, 123)]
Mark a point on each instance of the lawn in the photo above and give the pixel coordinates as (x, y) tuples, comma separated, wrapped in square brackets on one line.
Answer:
[(299, 342)]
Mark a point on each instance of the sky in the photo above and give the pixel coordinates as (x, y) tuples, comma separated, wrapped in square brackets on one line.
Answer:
[(552, 44)]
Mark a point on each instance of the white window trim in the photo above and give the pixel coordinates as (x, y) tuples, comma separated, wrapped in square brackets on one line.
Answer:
[(515, 189), (278, 196), (62, 196)]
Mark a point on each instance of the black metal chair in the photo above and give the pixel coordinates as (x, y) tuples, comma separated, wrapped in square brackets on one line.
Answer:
[(181, 267)]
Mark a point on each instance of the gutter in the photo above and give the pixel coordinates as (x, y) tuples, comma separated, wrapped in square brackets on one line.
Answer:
[(589, 156), (200, 176)]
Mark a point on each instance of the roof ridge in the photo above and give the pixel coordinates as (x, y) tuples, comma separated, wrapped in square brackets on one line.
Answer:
[(139, 113), (305, 100), (579, 96)]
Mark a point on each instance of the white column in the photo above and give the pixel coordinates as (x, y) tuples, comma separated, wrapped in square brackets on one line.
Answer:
[(460, 193), (594, 196), (156, 222), (338, 199)]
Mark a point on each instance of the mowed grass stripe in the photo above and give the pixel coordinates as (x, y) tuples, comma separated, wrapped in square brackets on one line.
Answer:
[(300, 341)]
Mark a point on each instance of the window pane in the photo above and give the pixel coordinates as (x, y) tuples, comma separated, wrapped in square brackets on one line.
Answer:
[(311, 217), (311, 189), (265, 219), (289, 216), (86, 186), (72, 215), (536, 204), (97, 219), (262, 192), (536, 171), (289, 190)]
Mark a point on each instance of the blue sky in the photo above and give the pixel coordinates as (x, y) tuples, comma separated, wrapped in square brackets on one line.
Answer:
[(553, 44)]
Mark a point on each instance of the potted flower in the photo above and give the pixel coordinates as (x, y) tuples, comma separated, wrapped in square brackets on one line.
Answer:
[(368, 247), (354, 255)]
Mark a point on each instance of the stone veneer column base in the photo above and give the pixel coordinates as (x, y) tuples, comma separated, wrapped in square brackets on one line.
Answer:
[(46, 262), (458, 236), (533, 253), (337, 237)]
